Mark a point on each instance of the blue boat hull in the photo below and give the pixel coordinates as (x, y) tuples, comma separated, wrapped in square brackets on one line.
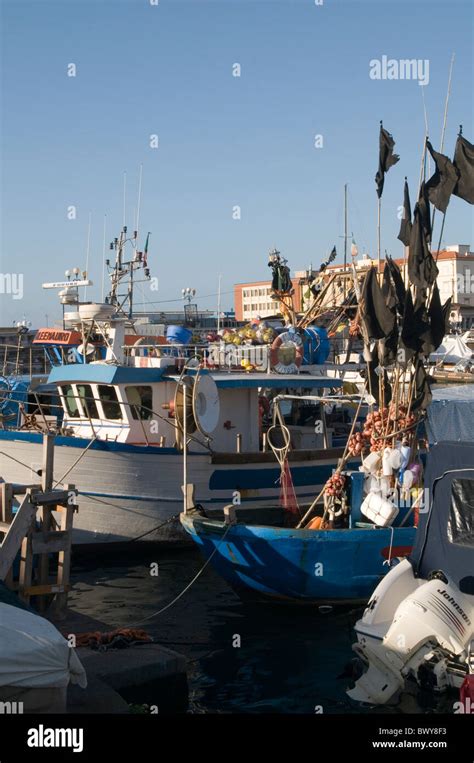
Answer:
[(299, 565)]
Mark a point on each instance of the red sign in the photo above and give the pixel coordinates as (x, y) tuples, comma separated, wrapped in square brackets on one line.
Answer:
[(57, 336)]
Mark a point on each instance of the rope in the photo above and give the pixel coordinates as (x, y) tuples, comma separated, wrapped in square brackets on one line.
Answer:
[(61, 480), (287, 494), (27, 466), (116, 506), (185, 589), (387, 561)]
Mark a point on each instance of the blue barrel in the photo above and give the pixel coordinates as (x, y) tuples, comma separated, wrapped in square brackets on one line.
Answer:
[(316, 346), (178, 335)]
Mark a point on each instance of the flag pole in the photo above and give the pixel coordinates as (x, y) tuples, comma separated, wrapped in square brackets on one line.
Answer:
[(448, 94), (405, 247), (88, 249), (103, 258), (443, 133), (345, 238), (219, 303), (379, 207)]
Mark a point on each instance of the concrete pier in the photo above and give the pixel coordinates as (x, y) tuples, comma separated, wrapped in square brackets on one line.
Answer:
[(144, 674)]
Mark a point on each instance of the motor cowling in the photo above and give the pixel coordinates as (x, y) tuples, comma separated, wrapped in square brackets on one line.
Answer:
[(432, 625), (436, 611)]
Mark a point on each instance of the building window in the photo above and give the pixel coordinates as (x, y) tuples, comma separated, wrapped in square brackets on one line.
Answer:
[(86, 397), (109, 400), (140, 400)]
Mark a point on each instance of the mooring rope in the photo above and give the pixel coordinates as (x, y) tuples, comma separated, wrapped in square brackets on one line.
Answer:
[(185, 589)]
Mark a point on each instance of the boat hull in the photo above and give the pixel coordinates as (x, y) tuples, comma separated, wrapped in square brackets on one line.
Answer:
[(299, 565), (129, 492)]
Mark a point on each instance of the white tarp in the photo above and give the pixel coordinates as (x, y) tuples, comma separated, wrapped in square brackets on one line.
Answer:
[(452, 350), (34, 654)]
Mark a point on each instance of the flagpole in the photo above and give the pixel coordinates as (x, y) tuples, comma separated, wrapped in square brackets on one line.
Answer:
[(422, 167), (379, 207), (103, 258), (124, 197), (448, 94), (88, 250), (137, 220), (345, 238), (219, 303), (443, 132)]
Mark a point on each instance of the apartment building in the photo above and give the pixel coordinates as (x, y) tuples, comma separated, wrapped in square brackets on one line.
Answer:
[(456, 280)]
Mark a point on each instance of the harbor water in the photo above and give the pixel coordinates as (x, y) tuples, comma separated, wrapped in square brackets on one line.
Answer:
[(243, 657)]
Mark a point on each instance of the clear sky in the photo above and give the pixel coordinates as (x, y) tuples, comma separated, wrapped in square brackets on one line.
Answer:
[(167, 69)]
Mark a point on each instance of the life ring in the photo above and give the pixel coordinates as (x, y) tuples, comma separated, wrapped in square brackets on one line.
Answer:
[(287, 352)]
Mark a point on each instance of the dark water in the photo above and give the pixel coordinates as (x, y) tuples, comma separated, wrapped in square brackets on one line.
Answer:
[(288, 661)]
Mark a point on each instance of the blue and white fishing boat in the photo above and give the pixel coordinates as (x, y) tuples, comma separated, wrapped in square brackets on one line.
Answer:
[(126, 409), (120, 441), (301, 565)]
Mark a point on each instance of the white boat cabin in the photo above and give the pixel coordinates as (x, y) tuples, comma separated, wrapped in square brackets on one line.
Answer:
[(138, 406)]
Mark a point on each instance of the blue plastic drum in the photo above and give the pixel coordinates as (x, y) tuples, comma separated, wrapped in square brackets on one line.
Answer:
[(316, 346), (178, 335)]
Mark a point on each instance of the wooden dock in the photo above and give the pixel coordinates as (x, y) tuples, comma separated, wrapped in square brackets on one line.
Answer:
[(36, 521)]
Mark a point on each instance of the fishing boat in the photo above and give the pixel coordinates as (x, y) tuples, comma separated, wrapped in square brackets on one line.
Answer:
[(121, 433), (334, 552), (299, 565), (128, 400)]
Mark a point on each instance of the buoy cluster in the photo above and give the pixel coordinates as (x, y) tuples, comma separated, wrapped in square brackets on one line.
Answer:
[(250, 334), (378, 427)]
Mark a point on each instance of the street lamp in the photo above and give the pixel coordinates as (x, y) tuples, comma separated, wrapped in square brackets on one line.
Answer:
[(188, 293)]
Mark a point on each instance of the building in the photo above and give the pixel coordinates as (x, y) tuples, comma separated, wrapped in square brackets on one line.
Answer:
[(193, 318), (18, 354), (455, 280), (254, 298)]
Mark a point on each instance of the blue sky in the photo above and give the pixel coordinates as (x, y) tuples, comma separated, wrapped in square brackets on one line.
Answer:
[(223, 141)]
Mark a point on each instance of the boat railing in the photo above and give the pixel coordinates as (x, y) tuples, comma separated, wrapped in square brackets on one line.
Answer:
[(215, 356), (18, 360)]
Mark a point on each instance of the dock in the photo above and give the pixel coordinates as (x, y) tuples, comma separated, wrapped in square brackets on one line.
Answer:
[(36, 524)]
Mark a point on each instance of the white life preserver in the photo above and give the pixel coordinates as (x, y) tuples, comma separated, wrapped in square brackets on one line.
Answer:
[(287, 353)]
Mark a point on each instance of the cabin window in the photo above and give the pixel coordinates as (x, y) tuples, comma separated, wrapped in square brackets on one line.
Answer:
[(140, 400), (461, 513), (71, 401), (86, 397), (110, 403)]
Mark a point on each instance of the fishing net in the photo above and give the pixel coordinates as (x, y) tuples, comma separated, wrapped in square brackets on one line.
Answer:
[(288, 498)]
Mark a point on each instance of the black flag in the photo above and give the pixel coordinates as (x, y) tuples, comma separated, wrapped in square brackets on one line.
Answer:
[(433, 337), (405, 225), (422, 394), (423, 205), (330, 259), (414, 327), (388, 288), (464, 163), (422, 269), (398, 283), (386, 158), (377, 317), (446, 314), (441, 185)]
